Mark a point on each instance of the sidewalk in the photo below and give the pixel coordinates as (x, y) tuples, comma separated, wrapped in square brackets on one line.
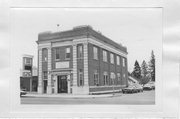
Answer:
[(71, 96)]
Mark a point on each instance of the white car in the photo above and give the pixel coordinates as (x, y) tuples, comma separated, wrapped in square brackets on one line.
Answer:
[(22, 92), (147, 87)]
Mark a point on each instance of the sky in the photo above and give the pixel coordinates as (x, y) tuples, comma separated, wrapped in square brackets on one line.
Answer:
[(139, 29)]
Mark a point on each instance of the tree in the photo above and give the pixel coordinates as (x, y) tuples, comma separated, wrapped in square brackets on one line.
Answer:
[(152, 66), (144, 69), (145, 77), (137, 71)]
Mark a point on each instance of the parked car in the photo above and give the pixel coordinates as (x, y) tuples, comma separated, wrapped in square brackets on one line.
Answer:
[(139, 88), (129, 89), (23, 92), (147, 87)]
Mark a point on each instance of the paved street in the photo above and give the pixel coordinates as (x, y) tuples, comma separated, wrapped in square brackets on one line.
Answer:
[(146, 97)]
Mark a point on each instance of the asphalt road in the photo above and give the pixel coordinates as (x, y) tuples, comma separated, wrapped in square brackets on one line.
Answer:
[(143, 98)]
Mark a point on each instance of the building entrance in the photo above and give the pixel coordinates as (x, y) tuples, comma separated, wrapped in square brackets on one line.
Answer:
[(45, 86), (62, 84)]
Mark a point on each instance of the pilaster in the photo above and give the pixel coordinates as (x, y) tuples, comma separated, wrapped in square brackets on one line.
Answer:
[(49, 86), (55, 84), (40, 80), (86, 82), (74, 65)]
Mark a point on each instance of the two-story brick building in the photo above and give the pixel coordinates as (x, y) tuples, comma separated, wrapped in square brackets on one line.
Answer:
[(80, 61)]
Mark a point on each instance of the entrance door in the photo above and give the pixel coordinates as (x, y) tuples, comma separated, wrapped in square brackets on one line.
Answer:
[(45, 86), (62, 84)]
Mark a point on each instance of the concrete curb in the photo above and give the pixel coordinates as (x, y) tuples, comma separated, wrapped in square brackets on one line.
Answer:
[(72, 96)]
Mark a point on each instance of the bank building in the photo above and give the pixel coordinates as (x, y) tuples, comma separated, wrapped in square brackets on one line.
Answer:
[(80, 61)]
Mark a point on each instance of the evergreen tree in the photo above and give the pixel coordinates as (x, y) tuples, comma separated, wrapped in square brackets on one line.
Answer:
[(144, 69), (152, 66), (144, 73), (137, 71)]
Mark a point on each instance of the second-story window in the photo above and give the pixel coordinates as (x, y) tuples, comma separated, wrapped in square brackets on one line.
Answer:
[(45, 76), (95, 53), (112, 58), (57, 53), (104, 56), (28, 61), (124, 62), (80, 51), (68, 53), (44, 55), (118, 60)]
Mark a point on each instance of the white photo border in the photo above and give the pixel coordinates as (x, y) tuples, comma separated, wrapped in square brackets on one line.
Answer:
[(162, 108)]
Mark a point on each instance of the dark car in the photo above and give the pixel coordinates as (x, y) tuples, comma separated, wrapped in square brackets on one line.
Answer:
[(139, 88), (129, 89), (23, 92)]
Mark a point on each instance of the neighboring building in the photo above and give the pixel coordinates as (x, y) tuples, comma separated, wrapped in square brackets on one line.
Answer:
[(28, 75), (80, 61)]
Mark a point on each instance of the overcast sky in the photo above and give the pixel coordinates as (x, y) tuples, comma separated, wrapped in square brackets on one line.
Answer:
[(139, 29)]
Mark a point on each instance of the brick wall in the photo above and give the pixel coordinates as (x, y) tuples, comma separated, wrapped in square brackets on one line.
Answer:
[(102, 67)]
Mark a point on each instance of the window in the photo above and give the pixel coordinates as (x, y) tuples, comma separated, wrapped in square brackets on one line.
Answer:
[(112, 58), (124, 76), (28, 60), (118, 76), (104, 56), (105, 78), (80, 51), (124, 63), (81, 81), (44, 55), (112, 78), (45, 76), (57, 53), (96, 78), (95, 53), (118, 60), (68, 53)]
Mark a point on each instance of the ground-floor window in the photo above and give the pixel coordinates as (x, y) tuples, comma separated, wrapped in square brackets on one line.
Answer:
[(118, 78), (112, 78), (96, 78), (105, 78)]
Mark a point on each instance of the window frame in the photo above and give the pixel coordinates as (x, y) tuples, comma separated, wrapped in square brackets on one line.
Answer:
[(112, 78), (119, 76), (118, 60), (67, 53), (96, 78), (45, 72), (57, 52), (27, 58), (124, 62), (95, 54), (105, 59), (111, 58), (80, 54), (44, 55), (105, 78)]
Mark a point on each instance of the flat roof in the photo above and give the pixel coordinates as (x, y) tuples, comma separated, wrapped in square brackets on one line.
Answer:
[(85, 30)]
